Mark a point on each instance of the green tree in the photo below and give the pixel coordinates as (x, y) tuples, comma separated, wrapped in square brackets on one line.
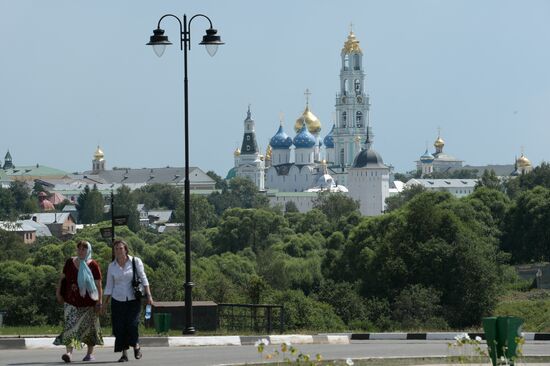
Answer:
[(90, 206), (203, 214), (125, 204), (159, 196), (335, 205), (526, 230), (240, 228), (290, 206), (397, 201), (21, 194), (489, 179), (220, 182), (7, 205)]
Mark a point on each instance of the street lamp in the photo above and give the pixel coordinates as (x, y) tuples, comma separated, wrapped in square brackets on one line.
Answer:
[(159, 42)]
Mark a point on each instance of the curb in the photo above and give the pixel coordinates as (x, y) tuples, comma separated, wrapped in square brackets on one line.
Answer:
[(327, 338), (437, 336)]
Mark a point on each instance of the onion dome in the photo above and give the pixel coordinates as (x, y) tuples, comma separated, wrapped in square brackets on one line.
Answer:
[(281, 140), (98, 155), (312, 122), (427, 157), (368, 158), (329, 139), (351, 45), (304, 139), (439, 143), (237, 152), (523, 162)]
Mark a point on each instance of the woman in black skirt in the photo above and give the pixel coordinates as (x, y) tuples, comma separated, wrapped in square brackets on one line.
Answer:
[(125, 308)]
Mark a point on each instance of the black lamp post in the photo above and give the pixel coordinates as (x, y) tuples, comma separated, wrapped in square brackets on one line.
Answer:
[(159, 42)]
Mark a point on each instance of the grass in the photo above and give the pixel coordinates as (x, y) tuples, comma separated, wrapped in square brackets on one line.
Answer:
[(532, 306)]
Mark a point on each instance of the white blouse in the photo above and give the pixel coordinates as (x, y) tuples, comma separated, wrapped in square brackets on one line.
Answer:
[(119, 279)]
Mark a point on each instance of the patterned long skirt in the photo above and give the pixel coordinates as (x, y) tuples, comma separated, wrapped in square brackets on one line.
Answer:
[(81, 325)]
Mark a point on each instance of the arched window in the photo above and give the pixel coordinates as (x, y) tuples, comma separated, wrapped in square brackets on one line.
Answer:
[(346, 62), (356, 62), (359, 119), (344, 119), (346, 87), (357, 84)]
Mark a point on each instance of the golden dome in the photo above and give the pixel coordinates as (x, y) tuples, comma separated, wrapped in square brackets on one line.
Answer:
[(268, 152), (98, 155), (523, 162), (237, 152), (351, 45), (312, 122), (439, 142)]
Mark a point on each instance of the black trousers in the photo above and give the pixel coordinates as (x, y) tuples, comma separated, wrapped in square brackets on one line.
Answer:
[(125, 320)]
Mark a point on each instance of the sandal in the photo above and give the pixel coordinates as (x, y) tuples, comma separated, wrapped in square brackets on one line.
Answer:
[(137, 353), (66, 357), (124, 358)]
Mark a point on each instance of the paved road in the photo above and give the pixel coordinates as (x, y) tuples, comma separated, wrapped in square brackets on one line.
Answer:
[(203, 356)]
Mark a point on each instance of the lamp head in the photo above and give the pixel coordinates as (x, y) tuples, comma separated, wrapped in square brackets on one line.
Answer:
[(159, 41), (211, 40)]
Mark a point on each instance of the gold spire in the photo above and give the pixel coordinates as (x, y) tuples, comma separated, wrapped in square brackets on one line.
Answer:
[(268, 152), (523, 162), (352, 44), (312, 122), (98, 155), (439, 143), (237, 152)]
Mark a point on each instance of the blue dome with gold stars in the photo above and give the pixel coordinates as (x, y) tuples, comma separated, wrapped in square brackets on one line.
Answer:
[(281, 140), (329, 139), (304, 139)]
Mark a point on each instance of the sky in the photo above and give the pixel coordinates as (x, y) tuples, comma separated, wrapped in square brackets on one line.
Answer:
[(75, 74)]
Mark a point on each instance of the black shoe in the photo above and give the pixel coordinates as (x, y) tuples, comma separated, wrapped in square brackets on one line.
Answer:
[(124, 358), (137, 353)]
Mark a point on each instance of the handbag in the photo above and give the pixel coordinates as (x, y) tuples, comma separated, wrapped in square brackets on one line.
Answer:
[(136, 282)]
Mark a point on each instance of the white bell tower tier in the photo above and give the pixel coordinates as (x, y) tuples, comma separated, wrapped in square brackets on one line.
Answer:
[(352, 104)]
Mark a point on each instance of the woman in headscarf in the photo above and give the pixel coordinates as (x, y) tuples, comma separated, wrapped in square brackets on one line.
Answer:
[(79, 289)]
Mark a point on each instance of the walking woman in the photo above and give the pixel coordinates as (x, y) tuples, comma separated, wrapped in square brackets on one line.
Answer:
[(125, 308), (79, 289)]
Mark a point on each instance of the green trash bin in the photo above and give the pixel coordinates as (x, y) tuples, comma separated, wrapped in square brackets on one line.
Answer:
[(501, 334), (162, 322)]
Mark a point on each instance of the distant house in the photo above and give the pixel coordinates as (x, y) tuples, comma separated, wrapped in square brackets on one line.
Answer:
[(154, 217), (61, 224), (28, 230), (456, 187)]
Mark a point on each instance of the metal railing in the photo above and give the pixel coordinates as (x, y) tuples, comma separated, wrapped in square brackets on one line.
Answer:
[(256, 317)]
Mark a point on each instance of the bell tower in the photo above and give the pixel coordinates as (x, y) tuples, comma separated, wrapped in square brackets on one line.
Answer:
[(352, 104), (98, 163)]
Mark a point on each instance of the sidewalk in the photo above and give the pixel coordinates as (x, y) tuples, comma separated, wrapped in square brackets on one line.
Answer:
[(43, 342)]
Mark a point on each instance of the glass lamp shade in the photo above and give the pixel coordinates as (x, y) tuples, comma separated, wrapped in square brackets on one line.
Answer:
[(159, 41), (211, 40), (159, 49), (211, 49)]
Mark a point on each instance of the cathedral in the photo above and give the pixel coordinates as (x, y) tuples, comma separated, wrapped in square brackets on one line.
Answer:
[(343, 161), (438, 161)]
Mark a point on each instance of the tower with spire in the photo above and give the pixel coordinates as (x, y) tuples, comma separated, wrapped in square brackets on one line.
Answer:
[(98, 162), (249, 162), (352, 104), (8, 164)]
